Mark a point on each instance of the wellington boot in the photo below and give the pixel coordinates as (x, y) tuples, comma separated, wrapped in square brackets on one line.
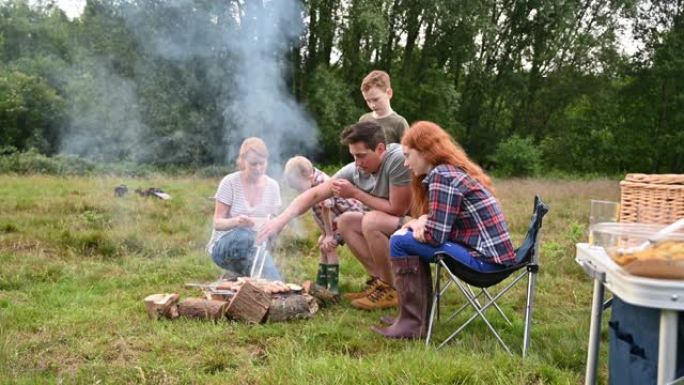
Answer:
[(413, 283), (390, 319), (333, 275), (371, 285), (322, 275), (382, 298)]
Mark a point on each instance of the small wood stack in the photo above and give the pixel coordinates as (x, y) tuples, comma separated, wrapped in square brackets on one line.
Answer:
[(253, 301)]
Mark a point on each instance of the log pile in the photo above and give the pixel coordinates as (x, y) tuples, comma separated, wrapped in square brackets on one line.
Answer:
[(200, 308), (249, 304), (162, 305), (245, 300), (291, 307)]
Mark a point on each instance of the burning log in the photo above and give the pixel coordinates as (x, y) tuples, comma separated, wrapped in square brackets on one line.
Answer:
[(201, 308), (290, 307), (249, 304), (162, 305), (246, 299), (323, 295)]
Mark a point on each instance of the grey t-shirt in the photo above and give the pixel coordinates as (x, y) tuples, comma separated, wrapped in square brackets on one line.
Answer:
[(392, 172), (393, 125)]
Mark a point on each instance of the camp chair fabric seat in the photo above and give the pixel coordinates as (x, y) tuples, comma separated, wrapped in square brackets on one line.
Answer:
[(461, 274), (477, 278)]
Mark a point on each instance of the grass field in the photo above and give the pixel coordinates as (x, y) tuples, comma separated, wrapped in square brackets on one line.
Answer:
[(75, 264)]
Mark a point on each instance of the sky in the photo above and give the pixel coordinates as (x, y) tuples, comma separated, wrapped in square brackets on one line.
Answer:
[(72, 8)]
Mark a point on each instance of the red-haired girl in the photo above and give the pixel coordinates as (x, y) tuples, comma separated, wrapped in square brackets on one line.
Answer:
[(454, 211)]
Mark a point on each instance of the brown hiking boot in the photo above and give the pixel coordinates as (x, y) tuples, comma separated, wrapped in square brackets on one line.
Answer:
[(382, 298), (371, 285)]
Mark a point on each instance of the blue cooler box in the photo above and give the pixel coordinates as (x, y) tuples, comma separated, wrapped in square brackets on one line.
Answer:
[(633, 348)]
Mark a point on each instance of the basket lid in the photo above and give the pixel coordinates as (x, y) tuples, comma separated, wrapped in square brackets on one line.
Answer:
[(656, 178)]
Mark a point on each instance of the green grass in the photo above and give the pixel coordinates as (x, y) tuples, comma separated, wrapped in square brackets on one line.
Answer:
[(76, 263)]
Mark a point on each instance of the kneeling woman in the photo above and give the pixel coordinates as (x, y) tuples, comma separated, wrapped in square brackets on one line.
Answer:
[(455, 211), (244, 200)]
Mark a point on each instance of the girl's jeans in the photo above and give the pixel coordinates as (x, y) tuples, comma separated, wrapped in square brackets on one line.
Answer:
[(235, 251), (402, 244)]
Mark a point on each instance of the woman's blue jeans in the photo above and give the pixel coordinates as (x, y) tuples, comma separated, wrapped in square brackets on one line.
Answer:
[(402, 244), (235, 251)]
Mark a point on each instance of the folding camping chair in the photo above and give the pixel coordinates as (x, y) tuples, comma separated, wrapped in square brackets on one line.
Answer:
[(463, 277)]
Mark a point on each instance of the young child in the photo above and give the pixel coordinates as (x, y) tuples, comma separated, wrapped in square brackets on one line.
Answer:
[(377, 93), (301, 175)]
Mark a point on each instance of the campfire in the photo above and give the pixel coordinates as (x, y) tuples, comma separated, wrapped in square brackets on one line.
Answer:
[(252, 300)]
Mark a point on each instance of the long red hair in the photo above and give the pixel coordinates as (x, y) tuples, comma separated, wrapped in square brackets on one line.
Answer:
[(438, 147)]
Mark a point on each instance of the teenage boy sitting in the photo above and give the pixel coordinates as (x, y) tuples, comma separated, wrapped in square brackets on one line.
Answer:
[(378, 179)]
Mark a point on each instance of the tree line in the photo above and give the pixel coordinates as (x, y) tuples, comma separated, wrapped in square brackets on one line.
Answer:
[(524, 86)]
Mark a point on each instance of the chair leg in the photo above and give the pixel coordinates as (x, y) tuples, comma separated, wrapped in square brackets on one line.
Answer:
[(480, 312), (495, 298), (463, 307), (473, 296), (435, 305), (531, 285), (437, 292), (486, 293)]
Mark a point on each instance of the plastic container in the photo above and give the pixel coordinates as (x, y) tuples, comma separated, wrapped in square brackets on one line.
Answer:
[(632, 246)]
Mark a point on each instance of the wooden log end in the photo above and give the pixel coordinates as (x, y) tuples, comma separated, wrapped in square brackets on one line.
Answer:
[(249, 304), (322, 294), (292, 307), (162, 305), (200, 308)]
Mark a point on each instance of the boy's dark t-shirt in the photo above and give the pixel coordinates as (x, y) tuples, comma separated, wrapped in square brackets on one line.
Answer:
[(393, 125)]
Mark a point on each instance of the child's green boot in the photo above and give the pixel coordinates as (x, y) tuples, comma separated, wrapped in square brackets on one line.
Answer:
[(333, 275), (322, 275)]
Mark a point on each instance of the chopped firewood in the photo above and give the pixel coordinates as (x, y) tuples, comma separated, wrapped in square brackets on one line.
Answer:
[(219, 295), (201, 308), (322, 294), (293, 306), (229, 285), (270, 287), (249, 304), (162, 305)]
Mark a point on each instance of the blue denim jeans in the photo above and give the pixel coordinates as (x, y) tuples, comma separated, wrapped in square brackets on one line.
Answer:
[(235, 251), (402, 244)]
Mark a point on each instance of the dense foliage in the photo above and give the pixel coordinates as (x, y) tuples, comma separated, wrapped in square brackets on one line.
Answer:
[(179, 83)]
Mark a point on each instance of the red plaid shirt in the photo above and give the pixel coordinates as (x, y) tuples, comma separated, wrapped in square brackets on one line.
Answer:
[(462, 211), (336, 205)]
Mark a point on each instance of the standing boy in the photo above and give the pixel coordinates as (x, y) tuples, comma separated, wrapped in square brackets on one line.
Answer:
[(301, 175), (377, 93)]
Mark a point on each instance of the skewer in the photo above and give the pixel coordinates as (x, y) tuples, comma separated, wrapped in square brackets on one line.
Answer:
[(259, 258)]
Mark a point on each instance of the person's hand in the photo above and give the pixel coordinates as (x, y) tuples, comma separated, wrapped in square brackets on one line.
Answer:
[(408, 224), (243, 221), (418, 227), (269, 230), (343, 188), (328, 243)]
